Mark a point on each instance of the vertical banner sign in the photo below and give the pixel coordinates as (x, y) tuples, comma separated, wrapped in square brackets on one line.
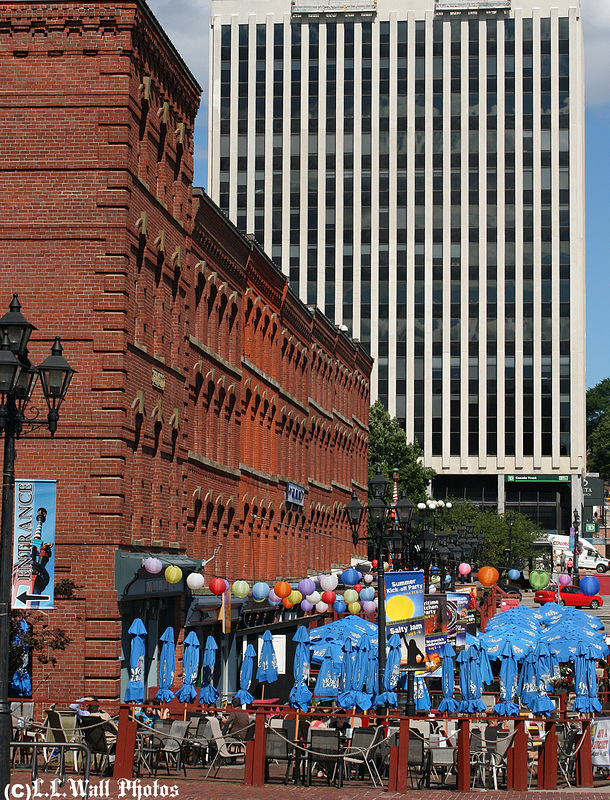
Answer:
[(435, 610), (224, 613), (404, 611), (471, 590), (34, 545), (600, 742), (457, 615)]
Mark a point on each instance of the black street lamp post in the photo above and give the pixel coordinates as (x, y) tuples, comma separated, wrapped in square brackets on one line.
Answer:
[(17, 381), (576, 526)]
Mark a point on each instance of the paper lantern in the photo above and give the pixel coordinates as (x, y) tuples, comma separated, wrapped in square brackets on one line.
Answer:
[(282, 589), (376, 602), (260, 591), (339, 607), (432, 589), (329, 582), (435, 579), (369, 607), (464, 569), (295, 597), (273, 599), (368, 578), (514, 574), (173, 574), (240, 588), (447, 578), (358, 588), (350, 596), (539, 579), (328, 598), (195, 581), (306, 606), (314, 598), (386, 566), (153, 565), (374, 563), (321, 608), (286, 603), (589, 585), (354, 608), (350, 576), (564, 579), (488, 576), (306, 586), (368, 593), (217, 586)]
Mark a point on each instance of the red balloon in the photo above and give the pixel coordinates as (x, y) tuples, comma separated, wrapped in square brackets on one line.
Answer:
[(374, 563), (358, 587), (217, 585), (329, 598)]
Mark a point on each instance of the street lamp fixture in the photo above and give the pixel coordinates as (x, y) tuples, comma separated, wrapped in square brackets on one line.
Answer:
[(576, 526), (17, 382)]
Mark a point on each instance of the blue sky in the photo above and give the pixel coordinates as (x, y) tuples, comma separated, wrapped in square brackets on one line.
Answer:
[(187, 22)]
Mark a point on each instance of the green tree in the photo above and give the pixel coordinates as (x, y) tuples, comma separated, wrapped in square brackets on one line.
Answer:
[(389, 449), (598, 428), (36, 638)]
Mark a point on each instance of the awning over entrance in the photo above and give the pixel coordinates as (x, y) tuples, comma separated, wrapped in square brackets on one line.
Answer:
[(131, 580)]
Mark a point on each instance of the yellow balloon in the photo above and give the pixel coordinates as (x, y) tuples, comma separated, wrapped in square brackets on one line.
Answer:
[(398, 608), (354, 608), (173, 574), (240, 588), (295, 597), (350, 596)]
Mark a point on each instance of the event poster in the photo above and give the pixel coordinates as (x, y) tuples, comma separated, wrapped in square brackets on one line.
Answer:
[(404, 610), (600, 741), (471, 590), (435, 626), (457, 616), (34, 545)]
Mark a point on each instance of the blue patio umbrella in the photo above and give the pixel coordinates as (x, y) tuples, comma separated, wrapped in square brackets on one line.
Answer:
[(329, 676), (21, 683), (361, 667), (585, 681), (300, 695), (267, 664), (448, 705), (509, 667), (347, 696), (208, 693), (543, 672), (371, 680), (421, 694), (245, 676), (167, 666), (190, 668), (135, 687), (527, 689), (391, 673), (471, 682)]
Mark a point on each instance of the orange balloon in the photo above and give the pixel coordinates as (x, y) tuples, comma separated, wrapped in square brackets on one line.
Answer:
[(488, 576), (282, 589), (286, 603)]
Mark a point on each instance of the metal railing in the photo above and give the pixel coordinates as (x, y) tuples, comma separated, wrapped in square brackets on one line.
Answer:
[(83, 785)]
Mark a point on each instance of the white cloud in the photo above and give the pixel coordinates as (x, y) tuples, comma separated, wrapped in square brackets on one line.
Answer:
[(596, 28)]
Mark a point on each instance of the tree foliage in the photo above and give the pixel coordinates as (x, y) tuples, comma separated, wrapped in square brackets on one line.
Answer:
[(37, 638), (598, 428), (389, 449)]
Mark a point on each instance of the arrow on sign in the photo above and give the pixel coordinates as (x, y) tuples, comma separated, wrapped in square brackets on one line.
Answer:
[(24, 597)]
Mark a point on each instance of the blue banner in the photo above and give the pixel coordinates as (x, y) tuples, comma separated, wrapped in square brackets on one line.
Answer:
[(34, 545), (404, 610)]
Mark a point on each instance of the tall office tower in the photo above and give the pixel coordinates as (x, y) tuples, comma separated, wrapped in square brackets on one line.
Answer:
[(417, 170)]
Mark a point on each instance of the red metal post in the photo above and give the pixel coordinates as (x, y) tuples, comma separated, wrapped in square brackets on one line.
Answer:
[(463, 743), (584, 762), (125, 744)]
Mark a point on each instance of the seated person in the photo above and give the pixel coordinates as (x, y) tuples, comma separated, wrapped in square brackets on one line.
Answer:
[(157, 711), (109, 725), (236, 721)]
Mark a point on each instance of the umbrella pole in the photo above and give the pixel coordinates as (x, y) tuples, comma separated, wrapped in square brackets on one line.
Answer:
[(263, 692)]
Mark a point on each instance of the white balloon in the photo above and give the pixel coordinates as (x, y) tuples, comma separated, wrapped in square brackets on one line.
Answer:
[(368, 578), (314, 598), (195, 581), (321, 607), (329, 582), (432, 589)]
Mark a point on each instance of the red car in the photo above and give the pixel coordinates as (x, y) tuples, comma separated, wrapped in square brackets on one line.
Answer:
[(568, 596)]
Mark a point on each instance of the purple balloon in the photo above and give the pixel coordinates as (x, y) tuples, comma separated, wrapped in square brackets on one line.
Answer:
[(564, 579), (273, 598), (306, 586), (305, 605)]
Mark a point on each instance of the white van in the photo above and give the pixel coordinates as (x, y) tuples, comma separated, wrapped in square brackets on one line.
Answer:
[(588, 556)]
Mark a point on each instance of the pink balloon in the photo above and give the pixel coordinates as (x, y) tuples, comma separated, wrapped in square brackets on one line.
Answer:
[(564, 579), (464, 569), (369, 606), (306, 606)]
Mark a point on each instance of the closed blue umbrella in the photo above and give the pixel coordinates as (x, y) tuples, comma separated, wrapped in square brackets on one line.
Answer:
[(509, 667), (300, 695), (190, 668), (371, 681), (135, 687), (347, 696), (471, 682), (329, 676), (267, 665), (585, 681), (167, 666), (543, 672), (448, 705), (421, 694), (245, 676), (363, 700), (209, 693), (391, 673), (527, 689)]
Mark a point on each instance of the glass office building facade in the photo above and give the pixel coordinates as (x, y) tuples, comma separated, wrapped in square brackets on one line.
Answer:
[(417, 170)]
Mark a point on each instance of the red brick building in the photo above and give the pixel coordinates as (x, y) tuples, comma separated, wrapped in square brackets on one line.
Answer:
[(205, 388)]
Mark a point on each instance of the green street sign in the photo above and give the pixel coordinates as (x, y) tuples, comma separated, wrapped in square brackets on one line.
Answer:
[(592, 527), (538, 478)]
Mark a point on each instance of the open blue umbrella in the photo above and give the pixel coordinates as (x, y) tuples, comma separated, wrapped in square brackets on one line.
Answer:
[(135, 687), (208, 693), (585, 681), (300, 695), (391, 673), (190, 668), (245, 676), (267, 665), (509, 667), (329, 676), (347, 695), (167, 666), (448, 705)]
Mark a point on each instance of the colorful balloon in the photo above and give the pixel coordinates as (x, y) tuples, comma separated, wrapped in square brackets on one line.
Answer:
[(329, 582), (432, 589), (539, 579), (368, 578), (514, 574), (306, 606), (314, 598), (273, 598), (282, 589), (173, 574), (464, 569), (240, 588), (328, 598), (488, 576), (195, 581), (354, 608), (350, 576), (153, 565), (564, 579), (339, 607), (368, 607), (306, 586), (589, 585), (368, 593), (260, 591), (321, 608), (286, 603), (350, 596), (295, 597), (217, 586)]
